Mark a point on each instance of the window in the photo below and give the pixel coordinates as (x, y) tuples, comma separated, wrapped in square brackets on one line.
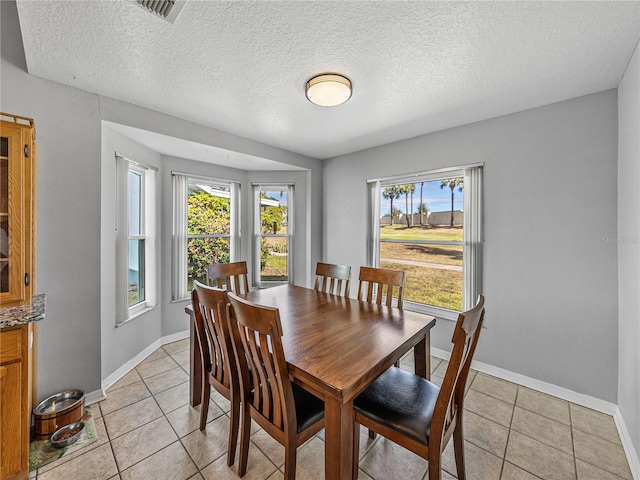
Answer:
[(273, 233), (429, 225), (205, 228), (135, 239)]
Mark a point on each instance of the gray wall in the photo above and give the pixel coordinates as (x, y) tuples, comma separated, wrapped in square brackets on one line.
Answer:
[(550, 287), (69, 134), (629, 248)]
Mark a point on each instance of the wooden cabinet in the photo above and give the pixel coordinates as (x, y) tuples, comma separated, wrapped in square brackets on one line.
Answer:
[(17, 197), (17, 284), (16, 370)]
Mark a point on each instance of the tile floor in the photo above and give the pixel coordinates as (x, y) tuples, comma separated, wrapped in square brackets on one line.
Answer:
[(147, 430)]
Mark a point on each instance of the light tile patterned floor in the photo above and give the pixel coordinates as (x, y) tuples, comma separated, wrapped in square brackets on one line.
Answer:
[(147, 430)]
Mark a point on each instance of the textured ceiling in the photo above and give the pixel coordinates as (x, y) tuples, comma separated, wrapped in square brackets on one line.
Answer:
[(416, 67)]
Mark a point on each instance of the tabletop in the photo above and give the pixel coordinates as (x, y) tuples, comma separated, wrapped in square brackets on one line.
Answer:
[(340, 342)]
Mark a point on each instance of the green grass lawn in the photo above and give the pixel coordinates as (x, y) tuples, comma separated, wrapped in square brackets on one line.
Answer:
[(442, 254), (419, 232), (433, 286), (275, 269)]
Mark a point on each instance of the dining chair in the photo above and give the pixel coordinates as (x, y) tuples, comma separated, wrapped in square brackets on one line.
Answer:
[(217, 359), (380, 282), (284, 410), (417, 414), (333, 279), (231, 276)]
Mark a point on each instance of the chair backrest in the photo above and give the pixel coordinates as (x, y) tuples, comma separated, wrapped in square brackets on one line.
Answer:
[(231, 276), (333, 279), (212, 333), (257, 344), (376, 280), (451, 396)]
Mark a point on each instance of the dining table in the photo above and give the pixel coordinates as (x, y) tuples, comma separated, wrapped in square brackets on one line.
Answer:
[(335, 347)]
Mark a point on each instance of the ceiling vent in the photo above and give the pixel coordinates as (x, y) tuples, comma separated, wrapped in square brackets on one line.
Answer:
[(165, 9)]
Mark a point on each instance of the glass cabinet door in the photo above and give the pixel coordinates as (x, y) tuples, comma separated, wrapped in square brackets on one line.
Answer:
[(11, 215)]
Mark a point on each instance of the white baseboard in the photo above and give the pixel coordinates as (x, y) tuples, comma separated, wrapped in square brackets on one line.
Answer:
[(131, 364), (94, 397), (625, 438), (564, 393), (174, 337)]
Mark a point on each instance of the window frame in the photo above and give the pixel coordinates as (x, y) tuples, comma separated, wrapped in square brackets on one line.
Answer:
[(472, 232), (137, 308), (180, 236), (258, 235), (148, 233), (232, 235)]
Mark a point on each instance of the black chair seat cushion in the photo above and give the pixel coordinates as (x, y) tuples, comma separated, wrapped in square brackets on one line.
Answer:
[(309, 408), (401, 401)]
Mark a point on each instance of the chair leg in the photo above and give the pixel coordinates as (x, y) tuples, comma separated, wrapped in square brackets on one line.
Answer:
[(372, 434), (204, 402), (458, 447), (234, 425), (290, 453), (245, 434), (356, 450), (435, 466)]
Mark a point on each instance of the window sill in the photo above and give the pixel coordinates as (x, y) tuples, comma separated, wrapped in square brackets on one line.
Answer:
[(440, 313), (180, 300), (136, 315)]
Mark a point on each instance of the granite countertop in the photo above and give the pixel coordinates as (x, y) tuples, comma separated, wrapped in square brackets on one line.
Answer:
[(33, 312)]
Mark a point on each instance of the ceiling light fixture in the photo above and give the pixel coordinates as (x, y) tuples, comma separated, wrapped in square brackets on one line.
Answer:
[(328, 89)]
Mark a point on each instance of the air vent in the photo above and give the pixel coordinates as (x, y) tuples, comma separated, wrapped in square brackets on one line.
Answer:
[(166, 9)]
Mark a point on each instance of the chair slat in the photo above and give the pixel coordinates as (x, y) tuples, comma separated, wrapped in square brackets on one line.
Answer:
[(374, 280), (233, 276), (331, 278)]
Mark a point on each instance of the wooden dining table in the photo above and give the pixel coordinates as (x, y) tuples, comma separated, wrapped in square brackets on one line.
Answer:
[(335, 347)]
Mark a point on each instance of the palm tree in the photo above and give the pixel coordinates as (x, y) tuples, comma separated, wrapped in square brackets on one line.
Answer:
[(391, 193), (413, 189), (452, 183), (406, 189), (420, 208), (423, 209)]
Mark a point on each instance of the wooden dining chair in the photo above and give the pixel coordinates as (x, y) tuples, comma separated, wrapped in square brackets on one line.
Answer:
[(217, 359), (231, 276), (381, 282), (287, 412), (333, 279), (417, 414)]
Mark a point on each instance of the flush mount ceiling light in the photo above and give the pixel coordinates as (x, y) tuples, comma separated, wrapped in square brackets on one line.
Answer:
[(328, 89)]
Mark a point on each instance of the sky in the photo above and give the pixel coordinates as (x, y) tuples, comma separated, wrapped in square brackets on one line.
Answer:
[(436, 199)]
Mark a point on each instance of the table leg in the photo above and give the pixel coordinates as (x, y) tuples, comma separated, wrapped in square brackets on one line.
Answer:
[(338, 442), (195, 365), (422, 357)]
